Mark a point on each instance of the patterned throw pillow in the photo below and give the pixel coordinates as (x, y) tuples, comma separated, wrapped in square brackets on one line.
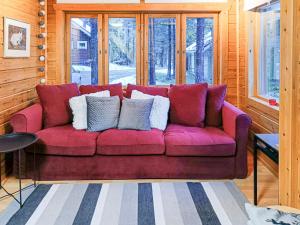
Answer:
[(102, 113), (159, 111), (267, 216), (79, 109), (135, 114)]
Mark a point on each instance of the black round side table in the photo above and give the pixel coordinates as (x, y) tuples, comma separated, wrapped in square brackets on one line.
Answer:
[(17, 142)]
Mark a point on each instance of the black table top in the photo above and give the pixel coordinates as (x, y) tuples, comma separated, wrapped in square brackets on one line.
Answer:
[(272, 140), (16, 141)]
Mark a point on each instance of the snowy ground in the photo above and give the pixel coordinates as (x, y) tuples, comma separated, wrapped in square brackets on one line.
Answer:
[(122, 74)]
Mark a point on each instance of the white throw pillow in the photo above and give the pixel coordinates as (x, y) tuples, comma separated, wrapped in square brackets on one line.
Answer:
[(79, 109), (160, 109), (267, 216)]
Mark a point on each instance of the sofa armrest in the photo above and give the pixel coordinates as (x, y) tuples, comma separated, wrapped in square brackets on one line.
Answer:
[(236, 123), (28, 119)]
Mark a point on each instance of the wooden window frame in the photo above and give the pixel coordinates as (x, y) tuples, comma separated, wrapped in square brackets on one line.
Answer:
[(257, 51), (68, 43), (146, 51), (106, 43), (216, 77), (142, 62)]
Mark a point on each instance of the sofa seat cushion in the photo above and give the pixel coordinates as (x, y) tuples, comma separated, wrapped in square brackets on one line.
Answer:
[(131, 142), (194, 141), (65, 140)]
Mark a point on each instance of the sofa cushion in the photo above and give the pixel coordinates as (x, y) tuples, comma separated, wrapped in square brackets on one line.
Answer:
[(195, 141), (115, 89), (214, 103), (131, 142), (135, 114), (162, 91), (188, 104), (66, 140), (55, 102)]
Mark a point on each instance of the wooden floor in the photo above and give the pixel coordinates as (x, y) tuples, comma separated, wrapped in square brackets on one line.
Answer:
[(267, 186)]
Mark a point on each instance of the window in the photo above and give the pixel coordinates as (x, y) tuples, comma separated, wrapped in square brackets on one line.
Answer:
[(84, 56), (269, 52), (162, 50), (199, 49), (146, 49), (82, 45), (122, 50)]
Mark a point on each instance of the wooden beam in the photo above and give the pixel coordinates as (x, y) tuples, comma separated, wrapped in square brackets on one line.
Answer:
[(289, 117), (143, 7)]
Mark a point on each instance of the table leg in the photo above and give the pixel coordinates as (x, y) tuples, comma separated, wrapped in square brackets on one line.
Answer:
[(255, 171), (34, 166), (20, 184)]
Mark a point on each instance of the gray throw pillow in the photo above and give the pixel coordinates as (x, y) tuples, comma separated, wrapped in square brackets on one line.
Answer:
[(102, 112), (135, 114)]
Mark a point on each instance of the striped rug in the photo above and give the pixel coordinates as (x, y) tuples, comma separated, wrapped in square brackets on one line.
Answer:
[(195, 203)]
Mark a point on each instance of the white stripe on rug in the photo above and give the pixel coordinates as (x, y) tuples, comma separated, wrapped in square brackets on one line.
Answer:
[(100, 205), (217, 206), (158, 205), (170, 204), (111, 211), (42, 206), (56, 204)]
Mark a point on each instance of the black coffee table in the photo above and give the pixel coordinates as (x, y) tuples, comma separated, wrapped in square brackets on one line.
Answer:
[(12, 143)]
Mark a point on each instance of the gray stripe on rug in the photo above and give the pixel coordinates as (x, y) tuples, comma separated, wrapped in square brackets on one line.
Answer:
[(30, 205), (112, 206), (55, 205), (170, 205), (232, 209), (72, 203), (203, 205), (129, 207), (237, 195), (88, 204), (186, 204), (145, 205)]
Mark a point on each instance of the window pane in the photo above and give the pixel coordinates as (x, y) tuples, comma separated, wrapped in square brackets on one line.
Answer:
[(84, 51), (122, 50), (162, 51), (199, 50), (269, 63)]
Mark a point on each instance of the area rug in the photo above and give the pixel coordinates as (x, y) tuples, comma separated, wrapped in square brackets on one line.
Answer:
[(163, 203)]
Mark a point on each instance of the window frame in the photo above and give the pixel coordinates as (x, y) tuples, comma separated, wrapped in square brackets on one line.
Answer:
[(146, 49), (184, 18), (106, 43), (142, 62), (68, 57), (257, 52)]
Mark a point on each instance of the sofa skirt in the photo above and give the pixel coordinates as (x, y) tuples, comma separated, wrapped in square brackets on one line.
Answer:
[(99, 167)]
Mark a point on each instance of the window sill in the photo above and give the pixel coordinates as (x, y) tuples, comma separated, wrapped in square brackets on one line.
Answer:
[(260, 101), (263, 107)]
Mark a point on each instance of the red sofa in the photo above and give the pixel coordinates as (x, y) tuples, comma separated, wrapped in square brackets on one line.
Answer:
[(180, 152)]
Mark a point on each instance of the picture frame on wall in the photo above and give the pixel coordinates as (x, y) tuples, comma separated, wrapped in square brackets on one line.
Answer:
[(16, 39)]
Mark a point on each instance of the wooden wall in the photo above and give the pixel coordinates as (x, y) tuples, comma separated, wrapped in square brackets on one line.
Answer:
[(18, 76), (264, 118), (228, 55), (289, 176)]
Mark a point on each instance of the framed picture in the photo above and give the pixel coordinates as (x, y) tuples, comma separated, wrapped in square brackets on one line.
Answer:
[(16, 39)]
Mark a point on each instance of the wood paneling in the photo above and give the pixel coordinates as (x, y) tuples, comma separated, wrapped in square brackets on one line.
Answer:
[(227, 44), (265, 118), (18, 76), (289, 176)]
